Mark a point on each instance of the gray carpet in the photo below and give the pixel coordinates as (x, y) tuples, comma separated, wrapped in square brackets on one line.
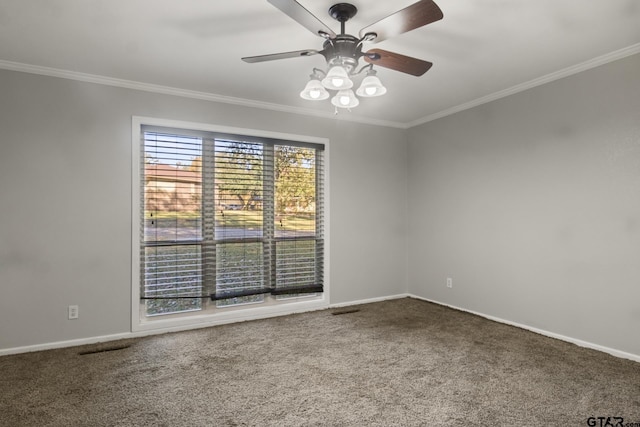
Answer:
[(395, 363)]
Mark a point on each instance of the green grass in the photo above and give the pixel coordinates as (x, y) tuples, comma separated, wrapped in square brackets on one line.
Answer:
[(235, 219), (171, 215), (249, 219)]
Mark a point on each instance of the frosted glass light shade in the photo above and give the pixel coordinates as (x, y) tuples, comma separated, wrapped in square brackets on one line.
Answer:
[(371, 86), (314, 91), (337, 79), (345, 99)]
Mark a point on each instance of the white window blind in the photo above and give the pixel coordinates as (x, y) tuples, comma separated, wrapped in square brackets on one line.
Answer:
[(228, 220), (172, 274)]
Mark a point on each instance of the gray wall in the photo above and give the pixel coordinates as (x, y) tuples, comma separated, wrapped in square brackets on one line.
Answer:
[(532, 205), (65, 202)]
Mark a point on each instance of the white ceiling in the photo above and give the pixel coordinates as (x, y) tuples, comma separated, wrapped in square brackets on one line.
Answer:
[(480, 50)]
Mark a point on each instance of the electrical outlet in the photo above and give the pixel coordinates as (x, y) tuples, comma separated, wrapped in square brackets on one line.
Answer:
[(449, 282), (73, 312)]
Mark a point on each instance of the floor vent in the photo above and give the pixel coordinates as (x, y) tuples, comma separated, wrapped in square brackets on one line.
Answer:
[(104, 349), (337, 313)]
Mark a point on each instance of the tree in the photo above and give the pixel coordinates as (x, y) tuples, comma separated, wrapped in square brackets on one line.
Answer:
[(195, 165), (150, 160), (295, 177), (239, 170), (239, 174)]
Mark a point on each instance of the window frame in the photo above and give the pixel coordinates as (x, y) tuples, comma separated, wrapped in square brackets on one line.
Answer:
[(275, 306)]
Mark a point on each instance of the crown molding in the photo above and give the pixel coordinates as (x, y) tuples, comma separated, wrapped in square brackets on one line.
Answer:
[(211, 97), (185, 93), (557, 75)]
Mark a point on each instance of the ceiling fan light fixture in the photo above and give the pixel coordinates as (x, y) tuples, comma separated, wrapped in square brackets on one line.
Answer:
[(371, 86), (345, 99), (343, 51), (314, 91), (337, 79)]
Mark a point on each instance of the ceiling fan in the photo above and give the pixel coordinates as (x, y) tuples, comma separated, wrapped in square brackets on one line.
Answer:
[(343, 51)]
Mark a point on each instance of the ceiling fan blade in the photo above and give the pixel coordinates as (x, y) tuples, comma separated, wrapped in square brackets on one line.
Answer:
[(397, 62), (418, 14), (283, 55), (303, 17)]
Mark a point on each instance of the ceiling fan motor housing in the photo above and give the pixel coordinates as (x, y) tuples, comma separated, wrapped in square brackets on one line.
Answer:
[(344, 50)]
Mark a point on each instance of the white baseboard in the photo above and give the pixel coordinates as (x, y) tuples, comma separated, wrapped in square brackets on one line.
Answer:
[(162, 330), (62, 344), (580, 343), (138, 334), (184, 327), (369, 300)]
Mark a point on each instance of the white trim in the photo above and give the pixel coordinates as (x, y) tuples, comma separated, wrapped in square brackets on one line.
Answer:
[(302, 309), (369, 300), (206, 96), (580, 343), (136, 126), (235, 314), (327, 222), (185, 93), (210, 127), (265, 314), (566, 72), (64, 344), (229, 314)]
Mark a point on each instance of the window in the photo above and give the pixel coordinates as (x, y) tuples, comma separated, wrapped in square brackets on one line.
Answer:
[(227, 220)]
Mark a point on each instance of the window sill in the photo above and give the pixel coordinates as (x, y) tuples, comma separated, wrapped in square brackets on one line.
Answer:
[(220, 316)]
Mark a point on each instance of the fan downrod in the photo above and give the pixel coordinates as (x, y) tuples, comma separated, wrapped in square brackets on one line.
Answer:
[(342, 12)]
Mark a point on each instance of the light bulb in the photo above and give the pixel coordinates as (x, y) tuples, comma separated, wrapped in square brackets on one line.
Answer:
[(314, 91), (337, 79), (371, 86), (345, 99)]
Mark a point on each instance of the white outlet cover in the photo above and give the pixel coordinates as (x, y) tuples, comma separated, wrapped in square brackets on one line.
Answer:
[(73, 312)]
